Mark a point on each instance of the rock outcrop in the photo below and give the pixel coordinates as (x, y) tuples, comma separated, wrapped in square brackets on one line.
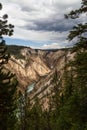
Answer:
[(28, 65), (36, 66)]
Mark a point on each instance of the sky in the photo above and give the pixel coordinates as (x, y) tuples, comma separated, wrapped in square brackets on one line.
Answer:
[(40, 23)]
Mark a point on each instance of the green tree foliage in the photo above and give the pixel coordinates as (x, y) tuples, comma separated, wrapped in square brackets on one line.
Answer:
[(73, 113), (24, 111), (68, 100), (8, 80), (80, 30)]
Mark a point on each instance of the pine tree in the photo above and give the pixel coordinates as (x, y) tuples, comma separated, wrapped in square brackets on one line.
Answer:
[(74, 109), (72, 113), (8, 80), (24, 110)]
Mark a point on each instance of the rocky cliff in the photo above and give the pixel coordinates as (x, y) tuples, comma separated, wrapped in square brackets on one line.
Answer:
[(32, 65), (28, 64)]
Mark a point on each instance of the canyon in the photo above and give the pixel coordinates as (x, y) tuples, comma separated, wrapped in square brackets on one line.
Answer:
[(35, 68)]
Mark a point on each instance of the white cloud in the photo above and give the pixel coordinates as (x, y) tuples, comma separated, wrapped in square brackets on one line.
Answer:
[(36, 14), (69, 2), (38, 36), (52, 46)]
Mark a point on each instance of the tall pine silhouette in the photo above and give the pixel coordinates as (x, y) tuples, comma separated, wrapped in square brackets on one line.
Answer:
[(8, 80)]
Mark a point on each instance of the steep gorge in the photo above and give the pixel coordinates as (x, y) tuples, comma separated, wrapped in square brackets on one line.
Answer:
[(32, 65)]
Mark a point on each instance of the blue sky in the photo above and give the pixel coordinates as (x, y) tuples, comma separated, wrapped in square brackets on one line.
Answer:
[(35, 44), (40, 23), (14, 41)]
